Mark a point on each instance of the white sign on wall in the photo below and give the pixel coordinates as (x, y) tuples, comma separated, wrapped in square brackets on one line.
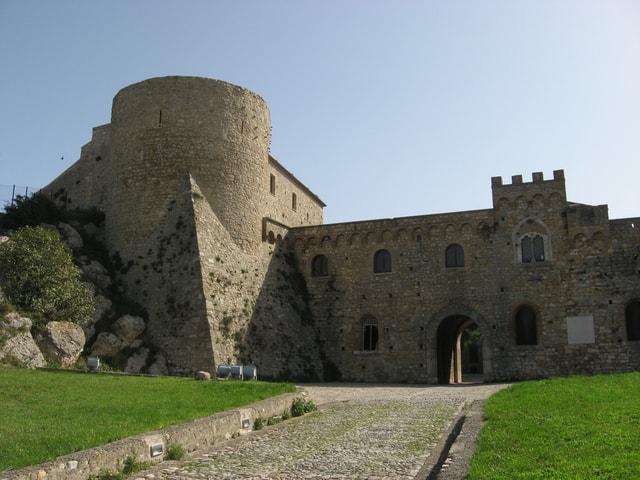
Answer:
[(580, 330)]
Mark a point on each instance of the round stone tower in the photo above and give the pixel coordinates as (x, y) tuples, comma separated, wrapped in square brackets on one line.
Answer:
[(164, 129)]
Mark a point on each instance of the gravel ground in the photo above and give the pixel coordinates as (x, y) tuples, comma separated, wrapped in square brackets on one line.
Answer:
[(359, 432)]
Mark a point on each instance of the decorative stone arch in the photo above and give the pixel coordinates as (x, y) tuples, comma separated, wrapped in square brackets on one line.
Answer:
[(355, 239), (580, 240), (326, 240), (312, 242), (450, 231), (503, 204), (402, 235), (531, 227), (556, 200), (538, 200), (434, 233), (521, 202), (418, 234), (386, 236), (484, 230), (467, 230), (372, 237), (443, 333), (298, 244), (340, 240)]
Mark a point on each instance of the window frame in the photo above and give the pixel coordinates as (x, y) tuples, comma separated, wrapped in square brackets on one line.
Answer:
[(632, 320), (454, 256), (320, 266), (370, 334), (525, 328), (382, 261)]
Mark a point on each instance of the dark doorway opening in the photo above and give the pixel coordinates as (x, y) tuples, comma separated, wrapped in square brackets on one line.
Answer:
[(459, 351)]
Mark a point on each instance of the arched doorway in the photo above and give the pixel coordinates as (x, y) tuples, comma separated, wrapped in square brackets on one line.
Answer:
[(459, 350)]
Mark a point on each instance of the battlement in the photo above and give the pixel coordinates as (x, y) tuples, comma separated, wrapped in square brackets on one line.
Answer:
[(536, 177), (518, 194)]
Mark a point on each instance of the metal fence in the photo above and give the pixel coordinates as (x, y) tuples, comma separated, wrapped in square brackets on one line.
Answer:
[(8, 194)]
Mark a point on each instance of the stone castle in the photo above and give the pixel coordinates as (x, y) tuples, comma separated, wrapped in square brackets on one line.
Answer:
[(227, 252)]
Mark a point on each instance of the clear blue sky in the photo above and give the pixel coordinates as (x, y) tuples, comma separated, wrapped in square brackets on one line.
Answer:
[(383, 108)]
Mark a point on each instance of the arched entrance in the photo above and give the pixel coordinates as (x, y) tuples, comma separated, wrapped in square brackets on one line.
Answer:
[(459, 350)]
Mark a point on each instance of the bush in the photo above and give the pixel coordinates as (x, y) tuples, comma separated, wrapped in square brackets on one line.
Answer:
[(175, 452), (30, 211), (299, 407), (38, 275), (258, 424)]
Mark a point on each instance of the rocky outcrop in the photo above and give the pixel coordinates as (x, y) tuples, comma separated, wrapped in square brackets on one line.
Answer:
[(107, 344), (61, 343), (71, 235), (128, 328), (17, 346)]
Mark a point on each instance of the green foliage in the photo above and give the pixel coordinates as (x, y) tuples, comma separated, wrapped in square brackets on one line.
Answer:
[(87, 410), (131, 465), (30, 211), (299, 407), (258, 423), (274, 420), (175, 452), (38, 275), (573, 428)]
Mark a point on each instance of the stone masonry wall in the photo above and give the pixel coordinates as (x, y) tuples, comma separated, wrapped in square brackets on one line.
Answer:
[(421, 298)]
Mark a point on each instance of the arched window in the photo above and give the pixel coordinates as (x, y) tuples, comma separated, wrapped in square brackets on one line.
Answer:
[(532, 248), (369, 334), (526, 326), (454, 256), (632, 319), (320, 266), (382, 261)]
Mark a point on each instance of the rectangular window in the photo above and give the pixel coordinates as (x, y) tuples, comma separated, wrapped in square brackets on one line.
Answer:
[(294, 201), (272, 184)]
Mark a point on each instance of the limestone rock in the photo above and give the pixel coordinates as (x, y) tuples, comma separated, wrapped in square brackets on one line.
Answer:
[(103, 305), (159, 367), (128, 328), (3, 239), (106, 345), (201, 375), (71, 236), (96, 273), (137, 362), (62, 342), (19, 348)]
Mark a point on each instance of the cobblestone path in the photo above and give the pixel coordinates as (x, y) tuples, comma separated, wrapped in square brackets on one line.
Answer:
[(359, 432)]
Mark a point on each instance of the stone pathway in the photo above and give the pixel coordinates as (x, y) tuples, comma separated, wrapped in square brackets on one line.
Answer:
[(359, 432)]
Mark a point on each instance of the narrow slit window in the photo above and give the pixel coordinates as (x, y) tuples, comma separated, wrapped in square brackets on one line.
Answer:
[(370, 334), (272, 184), (294, 201)]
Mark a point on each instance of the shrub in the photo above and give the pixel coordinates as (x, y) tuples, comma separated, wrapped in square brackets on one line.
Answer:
[(30, 211), (299, 407), (175, 452), (258, 424), (38, 275)]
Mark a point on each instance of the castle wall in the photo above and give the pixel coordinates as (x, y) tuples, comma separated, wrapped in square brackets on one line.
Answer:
[(165, 128), (84, 184), (226, 250), (418, 303), (290, 202)]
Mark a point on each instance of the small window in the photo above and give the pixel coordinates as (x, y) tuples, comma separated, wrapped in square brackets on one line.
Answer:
[(454, 256), (369, 334), (320, 266), (632, 319), (382, 261), (532, 248), (272, 184), (526, 327), (294, 201)]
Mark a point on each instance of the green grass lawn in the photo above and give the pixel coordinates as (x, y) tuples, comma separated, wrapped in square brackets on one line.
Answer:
[(45, 414), (569, 428)]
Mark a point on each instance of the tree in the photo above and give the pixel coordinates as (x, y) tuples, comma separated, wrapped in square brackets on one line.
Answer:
[(37, 274)]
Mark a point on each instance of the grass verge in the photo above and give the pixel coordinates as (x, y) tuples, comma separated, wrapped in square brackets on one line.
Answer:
[(569, 428), (46, 414)]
